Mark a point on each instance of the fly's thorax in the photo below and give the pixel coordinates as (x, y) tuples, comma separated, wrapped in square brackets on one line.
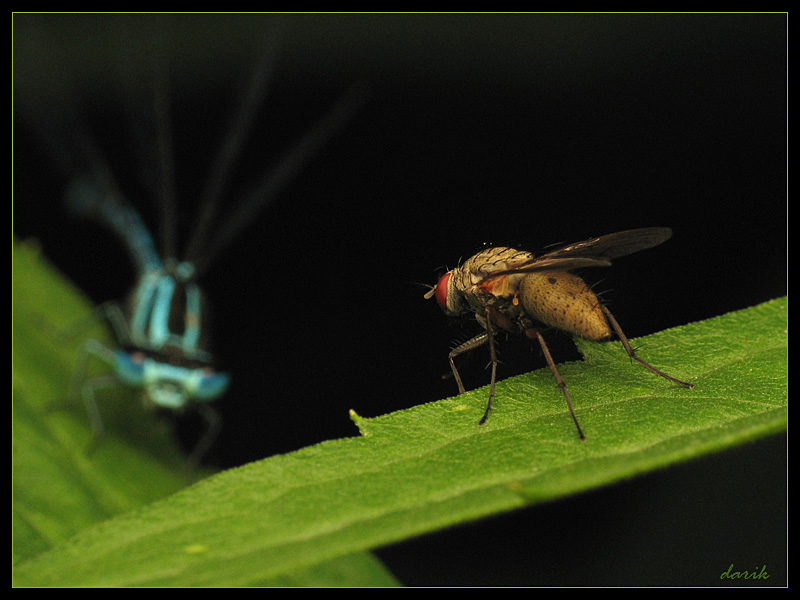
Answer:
[(493, 260), (562, 300), (475, 278), (470, 287)]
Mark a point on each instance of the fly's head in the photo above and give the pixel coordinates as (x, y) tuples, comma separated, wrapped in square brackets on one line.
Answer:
[(450, 299)]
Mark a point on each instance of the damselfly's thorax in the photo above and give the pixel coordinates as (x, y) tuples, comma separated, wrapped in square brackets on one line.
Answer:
[(167, 311), (164, 340)]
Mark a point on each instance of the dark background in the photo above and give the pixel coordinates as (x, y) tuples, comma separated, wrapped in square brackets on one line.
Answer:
[(524, 130)]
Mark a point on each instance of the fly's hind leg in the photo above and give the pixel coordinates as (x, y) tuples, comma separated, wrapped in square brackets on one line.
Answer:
[(629, 349), (532, 333)]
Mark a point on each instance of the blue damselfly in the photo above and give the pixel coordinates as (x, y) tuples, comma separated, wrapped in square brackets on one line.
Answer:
[(162, 336)]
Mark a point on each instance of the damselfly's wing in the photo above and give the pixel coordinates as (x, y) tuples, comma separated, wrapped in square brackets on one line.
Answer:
[(265, 191), (204, 247)]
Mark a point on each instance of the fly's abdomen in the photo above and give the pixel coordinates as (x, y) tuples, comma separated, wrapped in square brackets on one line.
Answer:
[(564, 301)]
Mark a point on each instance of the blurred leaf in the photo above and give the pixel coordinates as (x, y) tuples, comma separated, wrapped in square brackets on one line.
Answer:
[(59, 490)]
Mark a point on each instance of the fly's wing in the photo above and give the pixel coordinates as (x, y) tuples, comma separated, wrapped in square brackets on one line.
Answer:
[(614, 245), (597, 252)]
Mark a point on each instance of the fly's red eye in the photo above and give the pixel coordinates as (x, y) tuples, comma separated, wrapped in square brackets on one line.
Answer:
[(441, 290)]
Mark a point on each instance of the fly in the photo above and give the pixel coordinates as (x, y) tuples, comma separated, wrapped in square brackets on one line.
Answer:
[(162, 337), (515, 291)]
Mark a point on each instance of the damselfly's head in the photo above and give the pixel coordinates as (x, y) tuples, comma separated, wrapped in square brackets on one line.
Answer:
[(170, 386)]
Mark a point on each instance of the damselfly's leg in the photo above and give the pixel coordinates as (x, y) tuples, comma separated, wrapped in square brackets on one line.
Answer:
[(110, 311), (532, 333), (85, 388), (632, 353), (113, 314), (213, 426)]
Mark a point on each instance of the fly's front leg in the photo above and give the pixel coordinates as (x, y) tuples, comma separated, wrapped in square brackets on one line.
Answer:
[(533, 333), (478, 340), (632, 353)]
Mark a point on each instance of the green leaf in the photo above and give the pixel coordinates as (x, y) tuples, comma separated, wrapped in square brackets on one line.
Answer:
[(431, 466), (59, 490)]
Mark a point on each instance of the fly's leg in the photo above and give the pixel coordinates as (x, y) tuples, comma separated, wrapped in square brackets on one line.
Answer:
[(493, 316), (478, 340), (632, 353), (493, 357), (534, 333)]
